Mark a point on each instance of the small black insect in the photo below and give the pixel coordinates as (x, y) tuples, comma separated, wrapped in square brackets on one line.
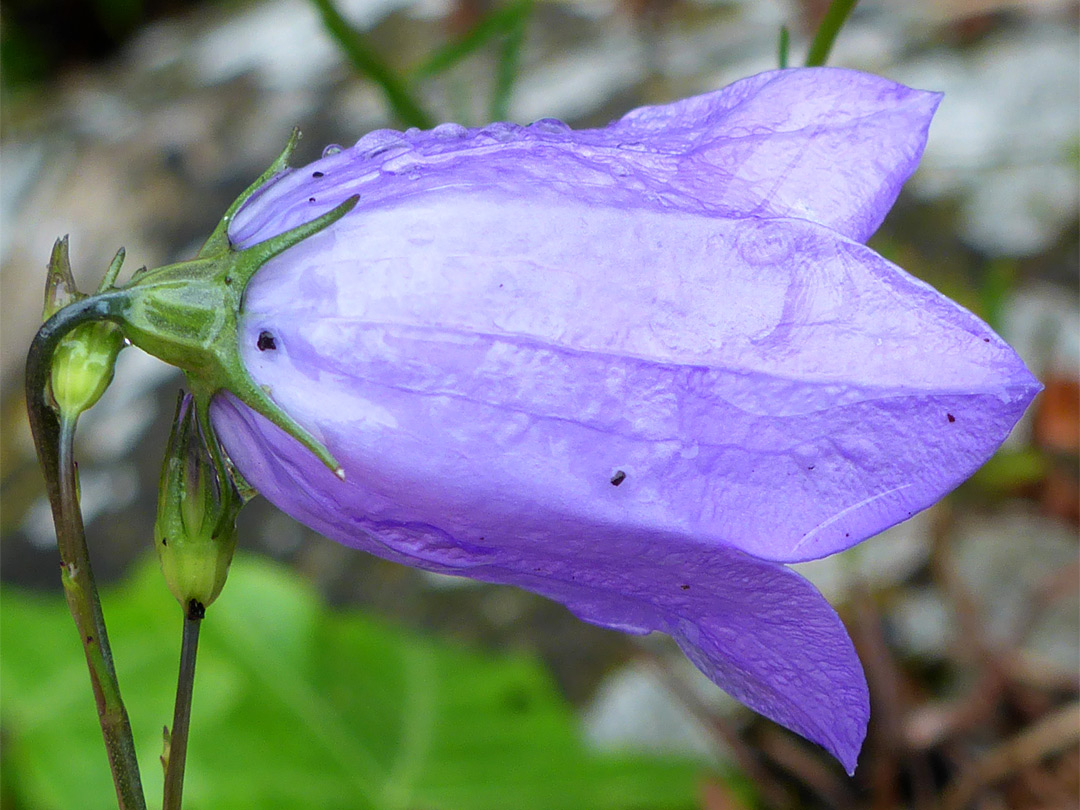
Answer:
[(317, 174), (265, 342), (950, 417), (618, 478)]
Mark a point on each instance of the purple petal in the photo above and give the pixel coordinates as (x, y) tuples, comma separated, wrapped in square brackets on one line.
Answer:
[(757, 629), (828, 145), (609, 364), (762, 384)]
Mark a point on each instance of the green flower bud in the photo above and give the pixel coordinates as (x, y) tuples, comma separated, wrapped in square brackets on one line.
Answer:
[(83, 363), (195, 530)]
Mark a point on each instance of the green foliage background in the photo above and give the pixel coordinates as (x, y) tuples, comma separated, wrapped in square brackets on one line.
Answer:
[(298, 706)]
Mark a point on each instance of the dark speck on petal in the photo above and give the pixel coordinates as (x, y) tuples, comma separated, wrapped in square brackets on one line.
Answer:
[(265, 342), (317, 174), (618, 477), (951, 417)]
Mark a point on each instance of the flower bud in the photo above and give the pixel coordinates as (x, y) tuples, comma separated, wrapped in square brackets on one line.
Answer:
[(195, 530), (83, 363)]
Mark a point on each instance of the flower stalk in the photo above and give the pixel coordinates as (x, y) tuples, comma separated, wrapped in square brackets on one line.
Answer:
[(175, 754), (54, 440)]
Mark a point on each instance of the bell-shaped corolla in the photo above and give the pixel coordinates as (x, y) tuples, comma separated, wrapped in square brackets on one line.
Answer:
[(633, 369)]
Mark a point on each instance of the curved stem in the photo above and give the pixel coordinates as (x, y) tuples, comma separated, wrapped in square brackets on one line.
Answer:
[(54, 439), (176, 741)]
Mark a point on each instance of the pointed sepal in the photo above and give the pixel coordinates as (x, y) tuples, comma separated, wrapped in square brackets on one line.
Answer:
[(218, 242)]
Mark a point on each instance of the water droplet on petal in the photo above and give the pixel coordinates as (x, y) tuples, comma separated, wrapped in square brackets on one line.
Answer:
[(331, 149), (379, 141), (501, 131), (550, 126), (450, 131)]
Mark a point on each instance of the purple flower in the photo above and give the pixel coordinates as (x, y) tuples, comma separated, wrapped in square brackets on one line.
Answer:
[(633, 369)]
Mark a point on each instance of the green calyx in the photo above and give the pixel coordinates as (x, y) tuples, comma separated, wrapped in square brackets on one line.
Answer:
[(198, 501), (84, 359), (188, 314)]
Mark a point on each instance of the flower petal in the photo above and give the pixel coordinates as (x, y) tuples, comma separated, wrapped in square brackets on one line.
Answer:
[(829, 145), (824, 144), (757, 629), (761, 384)]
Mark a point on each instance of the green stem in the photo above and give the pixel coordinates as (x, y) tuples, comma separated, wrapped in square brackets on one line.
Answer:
[(54, 439), (831, 24), (369, 64), (176, 743)]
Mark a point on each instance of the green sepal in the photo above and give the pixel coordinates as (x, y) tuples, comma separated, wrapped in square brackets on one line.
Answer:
[(60, 287), (188, 315), (218, 241)]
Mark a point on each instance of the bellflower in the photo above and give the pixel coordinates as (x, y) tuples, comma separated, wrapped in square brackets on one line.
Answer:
[(634, 369)]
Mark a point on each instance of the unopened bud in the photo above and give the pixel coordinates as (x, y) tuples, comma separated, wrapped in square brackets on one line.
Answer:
[(195, 530), (83, 362)]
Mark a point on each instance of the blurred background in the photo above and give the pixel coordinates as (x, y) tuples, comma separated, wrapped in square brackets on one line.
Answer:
[(330, 679)]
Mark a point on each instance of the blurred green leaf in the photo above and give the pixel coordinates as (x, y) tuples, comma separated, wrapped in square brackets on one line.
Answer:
[(998, 282), (496, 23), (1009, 470), (367, 62), (298, 706), (508, 61), (835, 17)]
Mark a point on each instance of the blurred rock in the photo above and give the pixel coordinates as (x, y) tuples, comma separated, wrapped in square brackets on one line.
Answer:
[(1005, 138), (634, 710), (1008, 562), (922, 624)]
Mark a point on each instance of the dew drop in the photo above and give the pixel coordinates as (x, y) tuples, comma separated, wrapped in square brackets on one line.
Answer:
[(331, 149), (550, 126), (449, 131), (380, 141), (501, 131)]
